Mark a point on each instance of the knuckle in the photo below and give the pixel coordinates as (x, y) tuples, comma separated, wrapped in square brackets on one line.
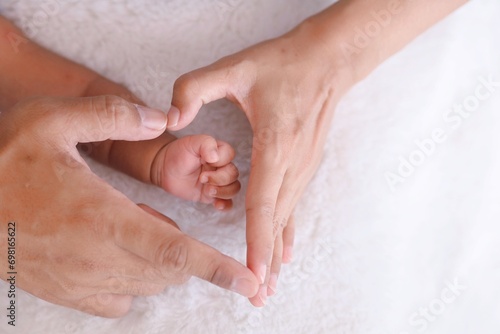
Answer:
[(233, 172), (237, 68), (207, 141), (264, 210), (219, 277), (278, 225), (109, 110), (173, 255), (186, 85), (160, 276)]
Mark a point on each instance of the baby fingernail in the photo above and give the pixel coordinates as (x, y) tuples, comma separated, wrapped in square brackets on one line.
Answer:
[(273, 282), (212, 192), (173, 116), (213, 155), (204, 179), (153, 119)]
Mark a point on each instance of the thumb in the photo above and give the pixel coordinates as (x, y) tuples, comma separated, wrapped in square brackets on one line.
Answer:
[(197, 88), (104, 117)]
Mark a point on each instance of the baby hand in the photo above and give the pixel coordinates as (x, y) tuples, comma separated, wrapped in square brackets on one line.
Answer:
[(198, 168)]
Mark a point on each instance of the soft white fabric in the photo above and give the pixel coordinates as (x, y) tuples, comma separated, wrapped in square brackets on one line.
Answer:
[(367, 258)]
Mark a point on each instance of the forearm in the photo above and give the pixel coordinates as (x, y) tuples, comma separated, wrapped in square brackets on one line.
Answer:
[(27, 69), (361, 34)]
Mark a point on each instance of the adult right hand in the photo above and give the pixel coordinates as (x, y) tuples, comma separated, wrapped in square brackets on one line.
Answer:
[(79, 242)]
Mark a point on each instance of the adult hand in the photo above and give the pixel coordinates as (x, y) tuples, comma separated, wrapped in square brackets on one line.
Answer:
[(289, 95), (79, 242), (288, 87)]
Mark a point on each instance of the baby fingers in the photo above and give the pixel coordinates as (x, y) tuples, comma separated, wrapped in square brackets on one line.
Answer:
[(215, 152), (223, 192), (222, 176), (223, 204)]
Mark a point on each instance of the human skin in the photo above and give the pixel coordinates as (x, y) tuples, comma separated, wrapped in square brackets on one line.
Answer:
[(288, 87), (30, 70), (81, 243), (198, 168)]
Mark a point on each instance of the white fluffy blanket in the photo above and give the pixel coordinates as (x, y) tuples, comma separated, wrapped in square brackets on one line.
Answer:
[(422, 257)]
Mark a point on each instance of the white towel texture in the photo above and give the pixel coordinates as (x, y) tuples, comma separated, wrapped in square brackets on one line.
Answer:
[(398, 232)]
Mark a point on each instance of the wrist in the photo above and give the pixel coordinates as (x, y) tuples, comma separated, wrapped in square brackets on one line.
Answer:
[(141, 160), (361, 34), (158, 161), (322, 44)]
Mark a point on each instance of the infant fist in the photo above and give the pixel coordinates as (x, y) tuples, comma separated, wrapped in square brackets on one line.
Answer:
[(198, 168)]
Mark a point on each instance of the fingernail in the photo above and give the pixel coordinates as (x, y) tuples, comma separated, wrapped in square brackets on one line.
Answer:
[(204, 179), (153, 119), (213, 155), (220, 206), (262, 294), (273, 282), (213, 192), (173, 116), (244, 287), (261, 274)]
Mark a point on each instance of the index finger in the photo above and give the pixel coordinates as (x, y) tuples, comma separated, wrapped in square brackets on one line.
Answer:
[(170, 250), (265, 182)]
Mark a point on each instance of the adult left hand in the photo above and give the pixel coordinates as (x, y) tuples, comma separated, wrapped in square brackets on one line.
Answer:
[(288, 95)]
